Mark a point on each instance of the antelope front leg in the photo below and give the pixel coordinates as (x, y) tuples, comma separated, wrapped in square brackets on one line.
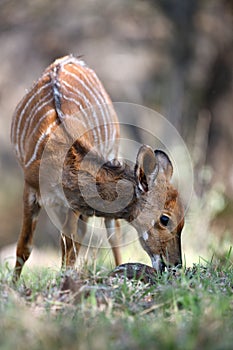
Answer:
[(30, 215), (113, 234), (82, 227), (69, 246)]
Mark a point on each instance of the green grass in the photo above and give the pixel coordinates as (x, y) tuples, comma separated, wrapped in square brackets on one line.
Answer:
[(188, 309)]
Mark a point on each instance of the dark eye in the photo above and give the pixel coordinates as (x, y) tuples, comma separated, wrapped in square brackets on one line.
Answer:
[(164, 219)]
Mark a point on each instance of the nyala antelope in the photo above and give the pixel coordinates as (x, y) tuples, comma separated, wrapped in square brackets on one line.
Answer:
[(91, 172)]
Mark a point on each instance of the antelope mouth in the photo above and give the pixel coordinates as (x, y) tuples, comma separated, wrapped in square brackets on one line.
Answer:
[(177, 264), (160, 263)]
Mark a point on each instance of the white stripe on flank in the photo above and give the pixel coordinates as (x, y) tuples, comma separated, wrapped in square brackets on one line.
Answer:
[(15, 119), (83, 110), (103, 103), (89, 91), (44, 116), (21, 148), (41, 138), (25, 107), (75, 93), (108, 104), (36, 108), (26, 96), (100, 87)]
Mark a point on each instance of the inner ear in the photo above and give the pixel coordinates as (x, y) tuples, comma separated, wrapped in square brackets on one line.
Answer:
[(146, 168), (164, 163)]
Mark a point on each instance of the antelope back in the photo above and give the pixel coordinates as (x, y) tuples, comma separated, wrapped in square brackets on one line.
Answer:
[(66, 88)]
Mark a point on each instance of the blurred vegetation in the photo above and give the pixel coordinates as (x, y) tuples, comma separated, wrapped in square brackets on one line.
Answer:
[(188, 309), (172, 56)]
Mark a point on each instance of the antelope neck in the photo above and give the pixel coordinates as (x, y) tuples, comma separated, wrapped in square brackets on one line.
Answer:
[(109, 192)]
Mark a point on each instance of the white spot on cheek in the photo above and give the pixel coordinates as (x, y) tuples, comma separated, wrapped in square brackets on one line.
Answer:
[(153, 223), (145, 236)]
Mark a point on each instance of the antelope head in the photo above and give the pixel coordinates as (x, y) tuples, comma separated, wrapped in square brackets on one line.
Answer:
[(160, 219)]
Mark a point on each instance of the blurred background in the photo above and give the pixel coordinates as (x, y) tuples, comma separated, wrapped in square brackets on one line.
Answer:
[(175, 57)]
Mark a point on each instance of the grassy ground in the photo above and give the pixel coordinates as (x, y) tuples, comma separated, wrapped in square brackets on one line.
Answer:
[(188, 309)]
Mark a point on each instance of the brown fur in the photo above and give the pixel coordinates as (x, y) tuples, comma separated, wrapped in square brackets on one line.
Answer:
[(92, 185)]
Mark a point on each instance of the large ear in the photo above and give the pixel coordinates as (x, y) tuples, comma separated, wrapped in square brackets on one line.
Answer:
[(146, 168), (164, 163)]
